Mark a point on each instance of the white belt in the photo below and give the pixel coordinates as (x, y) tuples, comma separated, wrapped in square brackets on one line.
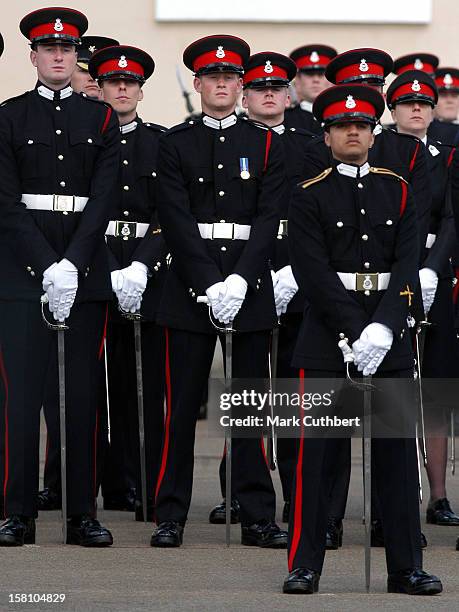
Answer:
[(60, 203), (359, 281), (224, 231), (126, 229), (430, 240)]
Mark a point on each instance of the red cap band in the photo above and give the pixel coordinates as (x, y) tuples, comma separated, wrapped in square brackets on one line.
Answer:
[(305, 61), (260, 73), (447, 81), (355, 70), (407, 89), (113, 65), (415, 66), (340, 108), (211, 57), (49, 29)]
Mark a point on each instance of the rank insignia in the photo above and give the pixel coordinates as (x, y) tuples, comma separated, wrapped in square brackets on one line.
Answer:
[(244, 167)]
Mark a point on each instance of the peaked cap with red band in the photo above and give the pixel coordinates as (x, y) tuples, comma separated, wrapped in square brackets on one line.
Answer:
[(348, 104), (309, 58), (416, 61), (216, 53), (121, 62), (447, 79), (54, 24), (89, 46), (268, 69), (412, 86), (2, 45), (358, 66)]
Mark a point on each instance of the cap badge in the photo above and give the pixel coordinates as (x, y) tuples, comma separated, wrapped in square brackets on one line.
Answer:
[(363, 65), (448, 79), (123, 62), (314, 57), (92, 48), (416, 86), (268, 67), (418, 65), (58, 25), (220, 53), (350, 102)]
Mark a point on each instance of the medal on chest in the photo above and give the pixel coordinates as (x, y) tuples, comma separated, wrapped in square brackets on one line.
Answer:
[(244, 167)]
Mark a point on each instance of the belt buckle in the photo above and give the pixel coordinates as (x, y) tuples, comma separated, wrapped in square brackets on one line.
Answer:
[(64, 203), (223, 231), (283, 227), (366, 282), (125, 229)]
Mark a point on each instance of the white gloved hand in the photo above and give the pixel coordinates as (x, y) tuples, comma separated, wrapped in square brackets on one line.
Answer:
[(285, 289), (117, 282), (429, 281), (371, 348), (274, 278), (60, 281), (231, 298), (213, 295), (134, 283)]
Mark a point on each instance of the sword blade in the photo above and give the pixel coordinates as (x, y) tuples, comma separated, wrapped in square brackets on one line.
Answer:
[(62, 427), (228, 378), (453, 444), (420, 340), (138, 368), (272, 452), (107, 394), (367, 478)]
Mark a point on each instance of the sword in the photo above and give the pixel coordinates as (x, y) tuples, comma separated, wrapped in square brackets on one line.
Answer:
[(185, 93), (420, 338), (137, 318), (272, 362), (106, 390), (367, 478), (453, 444), (60, 328)]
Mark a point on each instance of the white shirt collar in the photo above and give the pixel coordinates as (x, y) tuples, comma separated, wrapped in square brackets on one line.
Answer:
[(129, 127), (279, 129), (217, 124), (49, 93), (353, 171), (424, 140), (306, 106)]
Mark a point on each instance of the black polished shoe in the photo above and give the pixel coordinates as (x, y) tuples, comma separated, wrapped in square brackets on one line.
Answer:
[(17, 531), (301, 581), (377, 535), (168, 534), (334, 537), (217, 515), (48, 499), (124, 502), (286, 512), (439, 513), (414, 582), (265, 534), (87, 531), (139, 511)]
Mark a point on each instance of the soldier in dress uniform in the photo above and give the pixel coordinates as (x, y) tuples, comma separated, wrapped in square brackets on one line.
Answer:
[(50, 497), (445, 126), (406, 156), (411, 97), (137, 259), (426, 62), (220, 187), (311, 62), (335, 232), (53, 141)]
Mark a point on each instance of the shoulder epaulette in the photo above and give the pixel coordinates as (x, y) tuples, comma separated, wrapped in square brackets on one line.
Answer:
[(257, 124), (316, 179), (14, 98), (155, 127), (183, 126), (301, 132), (402, 135), (95, 100), (387, 172)]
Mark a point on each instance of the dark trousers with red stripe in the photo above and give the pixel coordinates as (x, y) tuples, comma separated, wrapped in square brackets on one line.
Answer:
[(395, 477), (122, 462), (188, 360), (27, 347)]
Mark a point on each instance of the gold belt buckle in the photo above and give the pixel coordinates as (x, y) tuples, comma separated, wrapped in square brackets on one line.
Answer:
[(125, 229), (64, 203), (366, 282)]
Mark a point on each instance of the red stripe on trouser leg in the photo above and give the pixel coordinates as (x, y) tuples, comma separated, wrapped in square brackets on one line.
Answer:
[(6, 470), (168, 419), (297, 517)]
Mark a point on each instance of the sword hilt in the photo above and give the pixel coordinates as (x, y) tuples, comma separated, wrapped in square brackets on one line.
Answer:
[(131, 316), (203, 299), (54, 326)]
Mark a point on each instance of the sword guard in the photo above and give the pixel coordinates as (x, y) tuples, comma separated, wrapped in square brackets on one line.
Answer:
[(54, 326), (130, 316)]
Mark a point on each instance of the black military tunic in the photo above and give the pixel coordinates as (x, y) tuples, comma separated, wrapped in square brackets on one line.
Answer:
[(300, 116), (444, 131), (52, 143), (345, 224), (200, 165)]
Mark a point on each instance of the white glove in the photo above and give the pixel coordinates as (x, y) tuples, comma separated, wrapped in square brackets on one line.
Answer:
[(231, 296), (213, 295), (371, 348), (117, 282), (134, 282), (60, 281), (284, 289), (274, 278), (429, 281)]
